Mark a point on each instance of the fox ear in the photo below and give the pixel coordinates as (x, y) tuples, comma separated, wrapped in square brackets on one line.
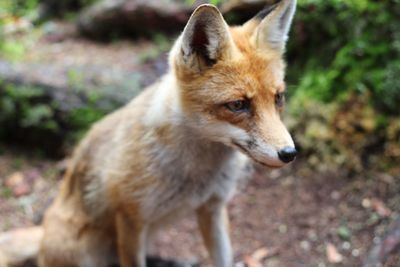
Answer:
[(205, 39), (273, 25)]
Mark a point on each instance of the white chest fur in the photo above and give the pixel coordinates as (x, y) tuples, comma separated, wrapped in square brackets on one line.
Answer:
[(191, 177)]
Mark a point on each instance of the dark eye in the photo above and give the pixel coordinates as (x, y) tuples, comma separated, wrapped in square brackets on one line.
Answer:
[(279, 99), (238, 105)]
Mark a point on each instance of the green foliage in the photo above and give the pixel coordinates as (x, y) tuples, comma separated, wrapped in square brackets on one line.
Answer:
[(82, 118), (15, 15), (12, 50), (30, 115), (39, 115), (19, 8), (344, 63), (19, 106), (27, 107), (75, 79), (5, 192), (338, 47), (344, 232), (162, 42), (162, 45), (214, 2)]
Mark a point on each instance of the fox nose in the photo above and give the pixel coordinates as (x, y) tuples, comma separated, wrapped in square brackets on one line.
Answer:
[(287, 154)]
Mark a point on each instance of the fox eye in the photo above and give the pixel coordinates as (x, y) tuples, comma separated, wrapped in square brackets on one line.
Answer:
[(238, 105), (279, 99)]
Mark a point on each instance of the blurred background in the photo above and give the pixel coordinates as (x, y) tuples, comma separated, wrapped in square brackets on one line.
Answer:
[(64, 64)]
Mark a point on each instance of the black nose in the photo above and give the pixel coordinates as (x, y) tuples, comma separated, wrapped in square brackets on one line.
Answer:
[(287, 154)]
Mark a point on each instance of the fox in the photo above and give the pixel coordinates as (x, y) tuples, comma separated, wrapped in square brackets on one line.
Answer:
[(181, 146)]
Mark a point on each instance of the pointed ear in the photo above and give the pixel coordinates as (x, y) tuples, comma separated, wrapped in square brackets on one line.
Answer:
[(205, 39), (272, 25)]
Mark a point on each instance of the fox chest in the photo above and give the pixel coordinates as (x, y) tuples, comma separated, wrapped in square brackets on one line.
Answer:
[(184, 187)]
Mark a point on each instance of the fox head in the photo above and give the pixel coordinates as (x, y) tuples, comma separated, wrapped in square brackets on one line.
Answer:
[(231, 80)]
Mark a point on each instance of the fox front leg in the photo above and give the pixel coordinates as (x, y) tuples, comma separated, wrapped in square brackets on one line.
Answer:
[(214, 226), (131, 241)]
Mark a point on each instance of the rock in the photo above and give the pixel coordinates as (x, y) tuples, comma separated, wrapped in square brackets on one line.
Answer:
[(332, 254), (251, 262), (22, 190), (109, 18), (380, 207), (239, 11), (14, 180), (384, 247), (57, 8), (47, 105), (19, 184)]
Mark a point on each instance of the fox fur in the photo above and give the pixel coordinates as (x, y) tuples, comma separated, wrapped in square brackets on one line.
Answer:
[(180, 146)]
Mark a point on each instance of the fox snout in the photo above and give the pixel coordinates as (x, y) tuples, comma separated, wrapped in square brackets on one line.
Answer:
[(265, 153), (287, 154), (270, 156), (269, 146)]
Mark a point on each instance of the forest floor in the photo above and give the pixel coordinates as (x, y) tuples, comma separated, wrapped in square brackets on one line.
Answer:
[(293, 216)]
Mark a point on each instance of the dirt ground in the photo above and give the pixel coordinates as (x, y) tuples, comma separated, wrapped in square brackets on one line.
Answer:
[(292, 214)]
